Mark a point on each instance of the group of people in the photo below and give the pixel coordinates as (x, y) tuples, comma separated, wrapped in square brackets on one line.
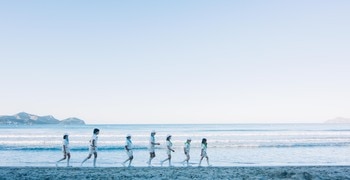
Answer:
[(129, 149)]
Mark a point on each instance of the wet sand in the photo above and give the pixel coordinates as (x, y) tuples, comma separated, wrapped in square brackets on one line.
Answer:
[(278, 172)]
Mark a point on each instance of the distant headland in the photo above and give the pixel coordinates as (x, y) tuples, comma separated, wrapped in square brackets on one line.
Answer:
[(24, 118), (339, 120)]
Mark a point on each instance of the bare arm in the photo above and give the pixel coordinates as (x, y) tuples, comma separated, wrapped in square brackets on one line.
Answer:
[(170, 149), (155, 143)]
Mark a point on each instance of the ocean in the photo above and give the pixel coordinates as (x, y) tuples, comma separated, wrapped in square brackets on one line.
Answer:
[(228, 144)]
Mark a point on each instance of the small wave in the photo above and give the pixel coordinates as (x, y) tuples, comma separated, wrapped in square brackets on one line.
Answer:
[(308, 145), (243, 130), (102, 148), (296, 145)]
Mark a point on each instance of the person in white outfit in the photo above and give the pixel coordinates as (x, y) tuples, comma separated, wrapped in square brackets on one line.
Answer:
[(204, 151), (128, 148), (152, 144), (187, 148), (93, 147), (170, 149), (65, 150)]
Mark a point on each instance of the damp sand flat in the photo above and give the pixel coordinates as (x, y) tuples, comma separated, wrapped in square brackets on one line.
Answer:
[(276, 172)]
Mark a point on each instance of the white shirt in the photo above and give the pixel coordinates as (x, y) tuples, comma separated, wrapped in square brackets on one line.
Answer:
[(151, 143), (94, 138), (128, 144), (187, 147), (204, 148), (169, 145), (65, 142)]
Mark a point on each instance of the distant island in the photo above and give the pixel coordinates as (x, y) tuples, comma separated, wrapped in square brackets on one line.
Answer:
[(24, 118), (338, 120)]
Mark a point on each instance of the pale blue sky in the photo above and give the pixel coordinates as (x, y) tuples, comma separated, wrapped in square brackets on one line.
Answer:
[(176, 61)]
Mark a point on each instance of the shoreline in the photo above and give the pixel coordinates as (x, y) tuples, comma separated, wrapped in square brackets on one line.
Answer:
[(243, 172)]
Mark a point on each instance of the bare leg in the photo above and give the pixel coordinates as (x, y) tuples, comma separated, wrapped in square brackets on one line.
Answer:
[(123, 163), (68, 154), (152, 155), (149, 161), (95, 157), (130, 160), (61, 159), (200, 161), (168, 158), (89, 156), (161, 162), (186, 160), (64, 157)]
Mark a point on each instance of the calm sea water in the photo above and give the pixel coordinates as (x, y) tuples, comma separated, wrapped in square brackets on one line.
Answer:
[(228, 145)]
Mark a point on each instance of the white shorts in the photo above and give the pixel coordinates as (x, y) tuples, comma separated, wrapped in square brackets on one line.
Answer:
[(129, 153), (168, 152), (92, 150)]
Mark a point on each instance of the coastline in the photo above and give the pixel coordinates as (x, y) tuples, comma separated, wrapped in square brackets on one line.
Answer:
[(254, 172)]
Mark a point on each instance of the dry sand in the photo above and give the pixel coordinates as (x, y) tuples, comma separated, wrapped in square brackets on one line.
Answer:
[(291, 172)]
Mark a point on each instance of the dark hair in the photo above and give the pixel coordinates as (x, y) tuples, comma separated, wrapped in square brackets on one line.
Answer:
[(96, 130), (168, 138), (65, 136), (204, 140)]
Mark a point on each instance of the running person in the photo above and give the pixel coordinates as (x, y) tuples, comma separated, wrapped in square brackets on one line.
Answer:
[(187, 148), (65, 150), (93, 147), (152, 144), (170, 149), (128, 148), (204, 151)]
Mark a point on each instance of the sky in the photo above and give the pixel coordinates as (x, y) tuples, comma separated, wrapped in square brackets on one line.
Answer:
[(170, 62)]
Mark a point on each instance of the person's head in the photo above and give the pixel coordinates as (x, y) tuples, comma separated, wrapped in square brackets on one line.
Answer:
[(65, 136), (153, 133), (128, 136), (204, 141), (189, 140), (168, 137), (96, 131)]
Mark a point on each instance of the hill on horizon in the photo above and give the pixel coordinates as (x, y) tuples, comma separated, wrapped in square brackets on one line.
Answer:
[(30, 119), (338, 120)]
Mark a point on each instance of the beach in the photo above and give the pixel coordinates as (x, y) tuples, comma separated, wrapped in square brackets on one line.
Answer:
[(262, 172)]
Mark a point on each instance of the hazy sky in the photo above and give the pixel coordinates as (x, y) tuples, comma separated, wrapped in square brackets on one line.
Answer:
[(176, 61)]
